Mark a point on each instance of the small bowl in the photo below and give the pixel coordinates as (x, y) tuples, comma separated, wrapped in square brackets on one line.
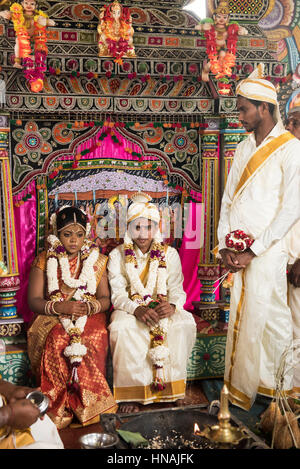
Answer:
[(98, 440), (40, 400)]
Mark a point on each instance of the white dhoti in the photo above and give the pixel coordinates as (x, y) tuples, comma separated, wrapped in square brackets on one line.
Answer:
[(293, 247), (132, 367), (260, 328)]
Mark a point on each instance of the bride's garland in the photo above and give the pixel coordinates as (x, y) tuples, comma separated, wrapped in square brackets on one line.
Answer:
[(85, 287), (76, 350), (34, 70), (86, 283), (158, 352)]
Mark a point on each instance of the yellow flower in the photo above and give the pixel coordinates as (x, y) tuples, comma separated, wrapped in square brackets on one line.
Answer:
[(16, 8), (40, 13)]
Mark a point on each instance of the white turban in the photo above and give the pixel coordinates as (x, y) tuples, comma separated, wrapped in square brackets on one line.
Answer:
[(256, 88), (142, 208)]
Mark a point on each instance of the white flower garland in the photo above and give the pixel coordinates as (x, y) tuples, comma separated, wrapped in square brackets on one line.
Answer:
[(157, 275), (158, 352), (158, 355), (86, 279), (86, 283), (76, 350)]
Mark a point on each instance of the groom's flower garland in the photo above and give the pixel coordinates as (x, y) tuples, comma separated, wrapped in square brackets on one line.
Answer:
[(157, 272), (158, 352), (85, 288)]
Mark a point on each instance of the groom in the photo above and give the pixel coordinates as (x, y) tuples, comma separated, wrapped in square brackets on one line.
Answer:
[(151, 335)]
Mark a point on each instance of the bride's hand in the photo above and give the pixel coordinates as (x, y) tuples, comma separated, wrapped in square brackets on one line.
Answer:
[(71, 308)]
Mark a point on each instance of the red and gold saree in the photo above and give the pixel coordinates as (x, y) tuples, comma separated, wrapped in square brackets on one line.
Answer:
[(47, 340)]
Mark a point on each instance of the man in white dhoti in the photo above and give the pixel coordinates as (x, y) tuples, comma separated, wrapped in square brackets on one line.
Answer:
[(293, 245), (20, 425), (261, 198), (151, 335)]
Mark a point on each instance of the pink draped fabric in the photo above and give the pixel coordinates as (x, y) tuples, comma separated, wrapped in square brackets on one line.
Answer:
[(26, 222), (189, 253), (109, 149), (25, 227)]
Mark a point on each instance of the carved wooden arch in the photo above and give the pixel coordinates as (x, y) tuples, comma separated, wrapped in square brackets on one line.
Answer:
[(71, 150)]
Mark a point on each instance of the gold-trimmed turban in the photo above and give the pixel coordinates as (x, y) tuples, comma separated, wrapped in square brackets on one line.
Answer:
[(257, 88)]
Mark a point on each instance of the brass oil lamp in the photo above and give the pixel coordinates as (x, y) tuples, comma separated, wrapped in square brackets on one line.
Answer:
[(224, 435)]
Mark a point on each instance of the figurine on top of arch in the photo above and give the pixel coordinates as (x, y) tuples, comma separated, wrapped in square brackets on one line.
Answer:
[(115, 32), (221, 38)]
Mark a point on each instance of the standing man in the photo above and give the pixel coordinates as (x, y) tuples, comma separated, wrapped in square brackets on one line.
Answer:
[(261, 198), (293, 243)]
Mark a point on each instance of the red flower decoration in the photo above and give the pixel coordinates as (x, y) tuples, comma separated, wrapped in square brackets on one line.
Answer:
[(232, 241)]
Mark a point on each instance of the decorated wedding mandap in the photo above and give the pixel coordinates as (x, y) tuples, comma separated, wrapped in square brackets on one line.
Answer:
[(113, 112)]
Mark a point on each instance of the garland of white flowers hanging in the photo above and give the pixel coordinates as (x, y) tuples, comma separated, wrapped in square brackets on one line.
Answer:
[(85, 287), (158, 352)]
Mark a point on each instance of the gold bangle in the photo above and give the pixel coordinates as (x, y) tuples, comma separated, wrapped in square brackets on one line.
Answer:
[(56, 313), (96, 306), (47, 308)]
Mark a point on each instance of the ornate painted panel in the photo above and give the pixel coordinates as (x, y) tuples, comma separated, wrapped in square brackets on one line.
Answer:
[(165, 109)]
